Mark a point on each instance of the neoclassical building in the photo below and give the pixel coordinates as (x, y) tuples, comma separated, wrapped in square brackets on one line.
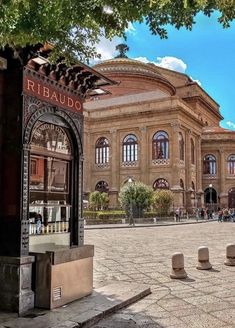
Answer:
[(160, 127)]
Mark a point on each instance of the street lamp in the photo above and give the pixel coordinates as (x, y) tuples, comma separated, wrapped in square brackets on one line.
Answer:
[(210, 212), (196, 203), (131, 206), (210, 186)]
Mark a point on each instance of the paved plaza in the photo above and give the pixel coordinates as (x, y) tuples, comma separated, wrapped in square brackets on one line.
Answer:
[(143, 255)]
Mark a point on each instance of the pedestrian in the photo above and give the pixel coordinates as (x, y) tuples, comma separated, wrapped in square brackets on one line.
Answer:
[(202, 213), (220, 216), (38, 223), (177, 214)]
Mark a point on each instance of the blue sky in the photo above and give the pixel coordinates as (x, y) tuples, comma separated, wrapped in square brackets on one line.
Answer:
[(207, 54)]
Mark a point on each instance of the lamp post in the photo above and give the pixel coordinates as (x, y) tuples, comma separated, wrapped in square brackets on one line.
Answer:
[(210, 186), (131, 206), (196, 209), (210, 212)]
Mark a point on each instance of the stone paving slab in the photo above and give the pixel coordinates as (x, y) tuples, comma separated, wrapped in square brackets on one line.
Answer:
[(82, 313), (204, 299), (160, 223)]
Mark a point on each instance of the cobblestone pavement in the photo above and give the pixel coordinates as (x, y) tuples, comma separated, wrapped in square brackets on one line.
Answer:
[(143, 255)]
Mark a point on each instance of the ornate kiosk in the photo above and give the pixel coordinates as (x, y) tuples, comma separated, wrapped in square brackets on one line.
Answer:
[(41, 150)]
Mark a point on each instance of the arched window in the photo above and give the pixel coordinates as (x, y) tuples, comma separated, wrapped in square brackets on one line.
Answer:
[(130, 148), (161, 184), (209, 164), (182, 184), (102, 186), (192, 152), (160, 145), (193, 186), (231, 164), (181, 146), (183, 194), (102, 151)]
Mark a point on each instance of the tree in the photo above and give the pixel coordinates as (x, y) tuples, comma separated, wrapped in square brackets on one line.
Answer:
[(135, 197), (98, 200), (74, 27), (162, 201)]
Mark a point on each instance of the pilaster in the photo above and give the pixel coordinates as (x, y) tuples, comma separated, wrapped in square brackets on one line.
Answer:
[(115, 155), (174, 152), (143, 151)]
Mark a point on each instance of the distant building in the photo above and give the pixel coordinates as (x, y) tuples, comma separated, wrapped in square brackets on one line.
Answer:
[(160, 127)]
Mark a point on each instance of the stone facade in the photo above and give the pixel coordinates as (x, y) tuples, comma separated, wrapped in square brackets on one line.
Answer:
[(146, 100)]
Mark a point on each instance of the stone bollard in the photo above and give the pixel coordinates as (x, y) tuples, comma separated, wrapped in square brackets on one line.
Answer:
[(230, 255), (203, 258), (178, 271)]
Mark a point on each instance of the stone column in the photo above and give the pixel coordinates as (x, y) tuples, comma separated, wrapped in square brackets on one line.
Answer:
[(115, 163), (143, 156), (188, 164), (199, 191), (174, 158)]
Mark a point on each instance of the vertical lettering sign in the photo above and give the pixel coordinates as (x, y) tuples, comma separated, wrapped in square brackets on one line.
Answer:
[(51, 94)]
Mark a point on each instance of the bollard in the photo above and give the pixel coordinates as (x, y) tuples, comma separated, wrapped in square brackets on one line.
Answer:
[(203, 258), (178, 271), (230, 255)]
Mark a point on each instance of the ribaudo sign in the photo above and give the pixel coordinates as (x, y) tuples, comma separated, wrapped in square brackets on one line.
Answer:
[(51, 94)]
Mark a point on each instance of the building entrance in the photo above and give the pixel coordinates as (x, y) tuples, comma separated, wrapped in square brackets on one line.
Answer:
[(210, 197)]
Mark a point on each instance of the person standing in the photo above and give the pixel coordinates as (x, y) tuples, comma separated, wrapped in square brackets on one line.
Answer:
[(38, 223), (177, 214)]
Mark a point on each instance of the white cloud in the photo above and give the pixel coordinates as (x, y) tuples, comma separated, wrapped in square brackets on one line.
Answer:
[(144, 60), (231, 124), (107, 48), (173, 63), (198, 82)]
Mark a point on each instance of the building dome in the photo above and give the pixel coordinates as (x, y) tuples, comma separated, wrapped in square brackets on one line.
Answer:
[(133, 77)]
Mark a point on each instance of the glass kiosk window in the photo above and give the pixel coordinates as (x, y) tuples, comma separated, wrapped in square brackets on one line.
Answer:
[(50, 170)]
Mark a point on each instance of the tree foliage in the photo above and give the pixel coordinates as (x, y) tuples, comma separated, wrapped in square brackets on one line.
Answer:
[(135, 195), (75, 26), (162, 201), (98, 200)]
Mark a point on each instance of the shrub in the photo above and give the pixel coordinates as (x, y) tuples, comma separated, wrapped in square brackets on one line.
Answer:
[(135, 197), (98, 200), (162, 201)]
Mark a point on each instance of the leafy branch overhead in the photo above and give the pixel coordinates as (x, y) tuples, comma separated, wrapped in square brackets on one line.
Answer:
[(74, 27)]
